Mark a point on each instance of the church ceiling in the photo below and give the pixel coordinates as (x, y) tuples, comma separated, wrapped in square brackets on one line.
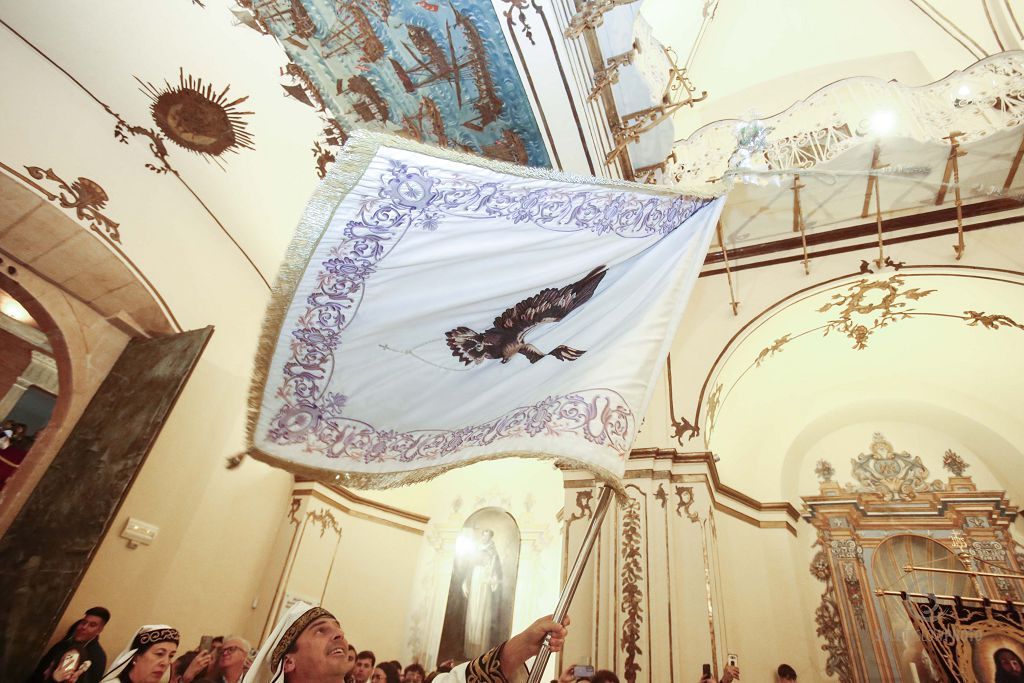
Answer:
[(205, 125), (934, 339), (431, 71)]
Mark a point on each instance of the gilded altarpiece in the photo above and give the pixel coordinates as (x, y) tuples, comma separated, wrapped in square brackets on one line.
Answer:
[(868, 532)]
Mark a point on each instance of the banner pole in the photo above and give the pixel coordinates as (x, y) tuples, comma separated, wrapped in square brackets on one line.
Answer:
[(573, 580)]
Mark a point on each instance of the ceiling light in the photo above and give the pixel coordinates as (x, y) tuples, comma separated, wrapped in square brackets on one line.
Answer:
[(963, 91), (882, 122), (12, 309)]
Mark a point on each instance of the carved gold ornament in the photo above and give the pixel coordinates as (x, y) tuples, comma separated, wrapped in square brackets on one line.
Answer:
[(871, 305), (954, 463), (892, 475), (824, 471), (827, 618)]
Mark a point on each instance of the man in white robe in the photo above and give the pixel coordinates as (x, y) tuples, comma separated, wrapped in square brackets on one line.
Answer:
[(308, 646)]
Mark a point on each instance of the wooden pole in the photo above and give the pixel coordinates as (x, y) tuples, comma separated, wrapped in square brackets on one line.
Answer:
[(573, 580)]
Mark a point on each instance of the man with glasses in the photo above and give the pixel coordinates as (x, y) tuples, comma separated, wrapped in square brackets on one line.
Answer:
[(233, 654)]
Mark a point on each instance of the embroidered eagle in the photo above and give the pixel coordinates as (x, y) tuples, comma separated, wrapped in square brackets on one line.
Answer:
[(505, 339)]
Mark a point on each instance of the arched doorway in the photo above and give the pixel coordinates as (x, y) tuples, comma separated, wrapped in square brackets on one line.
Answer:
[(28, 384)]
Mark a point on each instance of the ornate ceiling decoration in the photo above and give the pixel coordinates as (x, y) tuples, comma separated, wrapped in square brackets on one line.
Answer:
[(431, 71), (854, 311), (84, 196), (194, 116)]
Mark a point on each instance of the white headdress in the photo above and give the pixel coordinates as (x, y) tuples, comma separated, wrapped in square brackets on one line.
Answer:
[(268, 665), (145, 636)]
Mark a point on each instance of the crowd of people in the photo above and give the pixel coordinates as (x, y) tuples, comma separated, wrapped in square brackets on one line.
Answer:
[(307, 645)]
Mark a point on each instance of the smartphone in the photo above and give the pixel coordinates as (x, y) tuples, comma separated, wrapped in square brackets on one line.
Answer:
[(583, 671), (705, 671), (732, 660), (206, 644)]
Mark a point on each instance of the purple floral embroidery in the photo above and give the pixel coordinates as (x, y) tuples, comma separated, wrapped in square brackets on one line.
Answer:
[(417, 198)]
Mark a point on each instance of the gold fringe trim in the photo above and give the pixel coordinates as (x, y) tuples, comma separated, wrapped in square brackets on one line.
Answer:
[(348, 169)]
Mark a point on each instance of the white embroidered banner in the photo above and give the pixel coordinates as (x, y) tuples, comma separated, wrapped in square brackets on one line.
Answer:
[(435, 311)]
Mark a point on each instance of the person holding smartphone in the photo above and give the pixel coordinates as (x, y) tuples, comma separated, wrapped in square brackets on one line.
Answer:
[(731, 673)]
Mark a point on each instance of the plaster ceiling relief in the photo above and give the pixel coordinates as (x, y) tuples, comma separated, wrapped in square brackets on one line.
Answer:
[(196, 117), (931, 335)]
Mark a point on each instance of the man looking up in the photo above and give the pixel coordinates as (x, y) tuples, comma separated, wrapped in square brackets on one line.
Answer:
[(233, 653), (365, 661), (308, 646)]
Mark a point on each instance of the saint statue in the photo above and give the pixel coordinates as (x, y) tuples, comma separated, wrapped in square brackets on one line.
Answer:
[(482, 589)]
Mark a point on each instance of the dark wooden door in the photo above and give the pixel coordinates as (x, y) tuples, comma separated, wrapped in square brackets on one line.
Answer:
[(55, 535)]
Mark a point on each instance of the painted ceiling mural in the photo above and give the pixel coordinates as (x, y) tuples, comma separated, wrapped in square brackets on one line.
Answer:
[(435, 72)]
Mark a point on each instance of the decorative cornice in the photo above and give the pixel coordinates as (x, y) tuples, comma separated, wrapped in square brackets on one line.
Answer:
[(671, 455), (359, 500)]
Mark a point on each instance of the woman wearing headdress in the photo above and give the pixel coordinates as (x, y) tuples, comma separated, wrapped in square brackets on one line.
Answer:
[(147, 658), (1009, 667)]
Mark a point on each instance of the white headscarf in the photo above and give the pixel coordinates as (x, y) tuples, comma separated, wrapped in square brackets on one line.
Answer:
[(268, 665), (146, 635)]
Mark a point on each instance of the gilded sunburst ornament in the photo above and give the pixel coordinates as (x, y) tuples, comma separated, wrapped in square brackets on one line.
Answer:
[(194, 116)]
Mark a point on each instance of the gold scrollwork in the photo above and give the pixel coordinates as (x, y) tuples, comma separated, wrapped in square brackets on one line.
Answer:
[(584, 501), (714, 401), (591, 16), (855, 594), (892, 475), (826, 617), (292, 509), (661, 496), (678, 93), (632, 595), (859, 316), (85, 196), (992, 322), (954, 463), (520, 6), (325, 520), (773, 349), (684, 494)]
